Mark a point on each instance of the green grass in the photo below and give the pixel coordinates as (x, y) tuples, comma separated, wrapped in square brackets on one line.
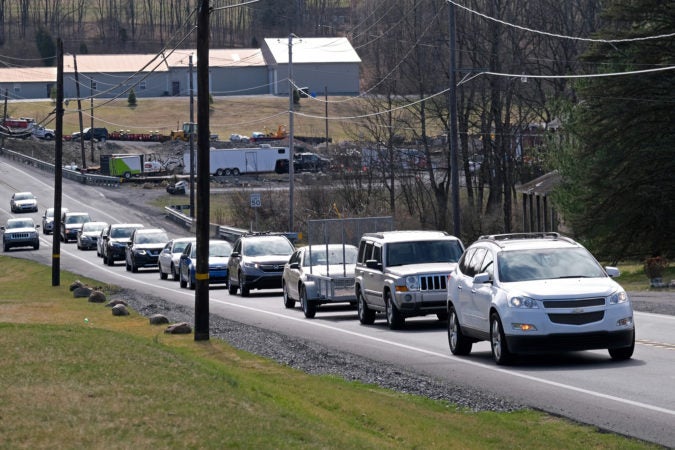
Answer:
[(118, 382)]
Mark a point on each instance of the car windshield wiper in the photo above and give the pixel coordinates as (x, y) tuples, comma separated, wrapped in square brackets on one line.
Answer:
[(574, 276)]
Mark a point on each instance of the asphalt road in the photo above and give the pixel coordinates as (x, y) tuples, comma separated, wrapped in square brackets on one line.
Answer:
[(634, 398)]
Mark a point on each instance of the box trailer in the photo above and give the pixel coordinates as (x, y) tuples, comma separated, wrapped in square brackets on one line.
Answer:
[(240, 161)]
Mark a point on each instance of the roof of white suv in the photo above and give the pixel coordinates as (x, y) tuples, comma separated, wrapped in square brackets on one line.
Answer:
[(526, 241), (410, 235)]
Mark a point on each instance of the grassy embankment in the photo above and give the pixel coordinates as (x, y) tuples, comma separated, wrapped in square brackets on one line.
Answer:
[(73, 374)]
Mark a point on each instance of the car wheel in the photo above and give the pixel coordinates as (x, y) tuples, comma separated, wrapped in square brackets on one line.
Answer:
[(500, 350), (236, 172), (394, 319), (459, 344), (623, 353), (134, 267), (309, 308), (191, 283), (5, 247), (288, 301), (36, 246), (174, 273), (366, 315), (228, 172), (442, 316), (183, 283), (245, 291), (127, 266), (162, 275)]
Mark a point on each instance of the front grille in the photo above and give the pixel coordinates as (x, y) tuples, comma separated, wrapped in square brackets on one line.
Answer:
[(577, 319), (20, 236), (578, 303), (432, 282), (271, 267), (343, 283)]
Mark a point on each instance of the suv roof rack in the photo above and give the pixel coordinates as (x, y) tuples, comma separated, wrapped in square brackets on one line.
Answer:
[(514, 236), (381, 234)]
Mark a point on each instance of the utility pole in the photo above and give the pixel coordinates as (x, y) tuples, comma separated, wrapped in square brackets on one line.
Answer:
[(203, 189), (91, 107), (58, 167), (325, 95), (452, 135), (79, 113), (291, 169), (192, 144)]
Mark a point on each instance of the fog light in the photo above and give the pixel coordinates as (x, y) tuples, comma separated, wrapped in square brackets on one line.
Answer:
[(524, 326), (625, 322)]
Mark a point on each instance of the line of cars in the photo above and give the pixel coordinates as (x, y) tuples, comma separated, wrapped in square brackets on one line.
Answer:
[(522, 292)]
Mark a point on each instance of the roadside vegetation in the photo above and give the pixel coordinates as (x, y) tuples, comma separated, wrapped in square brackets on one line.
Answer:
[(73, 373)]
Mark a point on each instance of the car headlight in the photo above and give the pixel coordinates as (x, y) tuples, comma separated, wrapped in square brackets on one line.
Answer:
[(523, 302), (250, 265), (412, 283), (618, 297), (140, 252)]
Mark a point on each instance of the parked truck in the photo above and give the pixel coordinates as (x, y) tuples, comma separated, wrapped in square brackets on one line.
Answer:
[(128, 165), (240, 161)]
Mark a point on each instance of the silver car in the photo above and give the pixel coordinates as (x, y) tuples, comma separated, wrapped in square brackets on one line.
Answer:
[(87, 236), (23, 202), (170, 257)]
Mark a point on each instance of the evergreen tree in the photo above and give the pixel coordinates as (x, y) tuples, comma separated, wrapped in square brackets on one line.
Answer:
[(131, 100), (46, 46), (618, 164)]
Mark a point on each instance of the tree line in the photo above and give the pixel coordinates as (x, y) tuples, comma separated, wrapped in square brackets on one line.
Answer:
[(518, 116)]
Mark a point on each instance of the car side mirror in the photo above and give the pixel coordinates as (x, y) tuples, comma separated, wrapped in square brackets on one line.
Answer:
[(373, 264), (613, 272), (482, 278)]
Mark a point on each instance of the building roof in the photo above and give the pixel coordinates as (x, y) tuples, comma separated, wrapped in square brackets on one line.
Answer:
[(313, 50), (28, 75), (234, 57), (125, 63)]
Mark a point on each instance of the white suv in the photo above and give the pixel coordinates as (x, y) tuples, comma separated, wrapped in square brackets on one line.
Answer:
[(536, 293), (404, 273)]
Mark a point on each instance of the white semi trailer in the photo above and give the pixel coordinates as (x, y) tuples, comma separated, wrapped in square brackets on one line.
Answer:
[(240, 161)]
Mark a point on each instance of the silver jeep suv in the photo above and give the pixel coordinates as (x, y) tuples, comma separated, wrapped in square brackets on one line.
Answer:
[(404, 273), (534, 293)]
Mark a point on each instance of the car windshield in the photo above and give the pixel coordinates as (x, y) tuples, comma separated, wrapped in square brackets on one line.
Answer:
[(152, 238), (178, 247), (121, 232), (24, 196), (50, 213), (317, 256), (77, 219), (546, 264), (260, 247), (419, 252), (93, 226), (20, 223), (216, 249)]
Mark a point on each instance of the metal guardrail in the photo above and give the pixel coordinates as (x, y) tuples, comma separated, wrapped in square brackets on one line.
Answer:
[(84, 178)]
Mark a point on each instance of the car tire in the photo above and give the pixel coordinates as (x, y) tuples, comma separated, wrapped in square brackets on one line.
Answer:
[(288, 301), (191, 284), (460, 345), (134, 267), (5, 247), (366, 315), (219, 172), (623, 353), (174, 273), (36, 246), (183, 283), (232, 289), (162, 275), (245, 291), (442, 316), (309, 308), (395, 320), (500, 350), (127, 266)]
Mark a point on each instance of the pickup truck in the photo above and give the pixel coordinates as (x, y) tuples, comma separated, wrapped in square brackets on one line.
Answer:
[(41, 132), (310, 162)]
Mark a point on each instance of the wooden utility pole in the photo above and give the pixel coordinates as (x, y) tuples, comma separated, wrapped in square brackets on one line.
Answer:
[(203, 190), (58, 167)]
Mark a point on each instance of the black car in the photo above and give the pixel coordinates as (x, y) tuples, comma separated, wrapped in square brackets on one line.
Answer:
[(144, 247), (99, 134), (257, 262), (115, 238)]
